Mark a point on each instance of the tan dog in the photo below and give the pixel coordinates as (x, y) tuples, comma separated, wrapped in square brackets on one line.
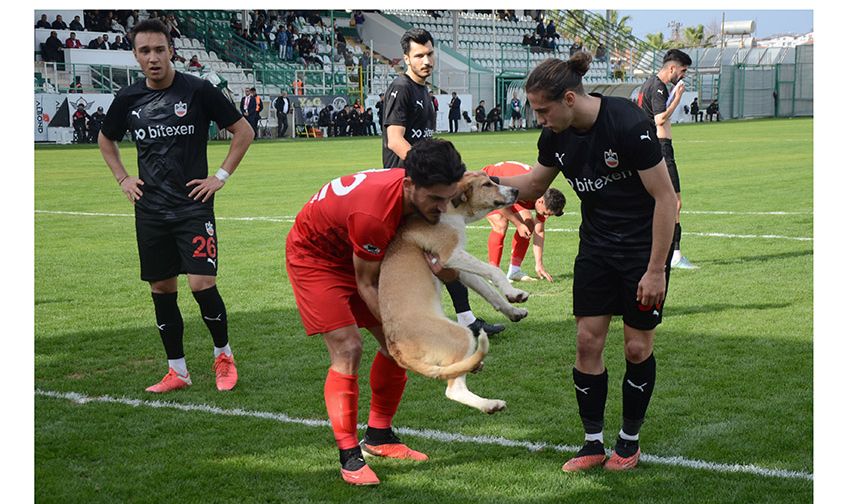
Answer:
[(417, 333)]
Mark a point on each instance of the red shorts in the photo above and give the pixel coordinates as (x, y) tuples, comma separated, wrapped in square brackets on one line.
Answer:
[(327, 298)]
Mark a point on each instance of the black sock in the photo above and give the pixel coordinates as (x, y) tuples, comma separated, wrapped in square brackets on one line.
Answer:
[(376, 436), (636, 392), (459, 295), (676, 240), (168, 318), (351, 459), (591, 398), (214, 314)]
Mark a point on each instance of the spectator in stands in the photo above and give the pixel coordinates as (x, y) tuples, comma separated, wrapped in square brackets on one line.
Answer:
[(79, 122), (600, 53), (713, 111), (358, 16), (356, 126), (116, 26), (282, 106), (119, 44), (43, 22), (76, 24), (298, 86), (364, 63), (132, 20), (694, 109), (59, 24), (281, 40), (550, 30), (454, 114), (495, 118), (51, 48), (90, 20), (76, 86), (95, 125), (540, 29), (73, 42), (194, 63), (527, 40), (481, 116), (171, 23), (576, 46)]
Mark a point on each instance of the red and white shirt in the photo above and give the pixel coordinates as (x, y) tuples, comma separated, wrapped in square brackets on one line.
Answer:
[(354, 214), (513, 169)]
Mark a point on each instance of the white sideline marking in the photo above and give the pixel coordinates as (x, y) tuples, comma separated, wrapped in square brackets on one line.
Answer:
[(291, 218), (435, 435)]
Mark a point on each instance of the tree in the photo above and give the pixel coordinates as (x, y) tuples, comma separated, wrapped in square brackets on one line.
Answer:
[(656, 40)]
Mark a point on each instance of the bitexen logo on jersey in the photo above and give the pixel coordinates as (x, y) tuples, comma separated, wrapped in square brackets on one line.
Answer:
[(162, 131), (589, 185)]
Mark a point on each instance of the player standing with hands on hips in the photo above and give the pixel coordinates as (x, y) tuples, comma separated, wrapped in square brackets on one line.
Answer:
[(168, 114), (659, 104), (608, 151)]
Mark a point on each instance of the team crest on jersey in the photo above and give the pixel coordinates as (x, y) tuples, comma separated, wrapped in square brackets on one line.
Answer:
[(373, 249), (210, 228), (610, 158), (180, 109)]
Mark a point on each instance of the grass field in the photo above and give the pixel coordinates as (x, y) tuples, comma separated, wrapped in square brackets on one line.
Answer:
[(730, 420)]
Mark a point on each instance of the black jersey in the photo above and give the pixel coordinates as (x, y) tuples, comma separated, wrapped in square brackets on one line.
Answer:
[(171, 128), (653, 96), (601, 165), (407, 104)]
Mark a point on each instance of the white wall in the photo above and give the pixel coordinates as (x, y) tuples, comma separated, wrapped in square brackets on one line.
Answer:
[(100, 57)]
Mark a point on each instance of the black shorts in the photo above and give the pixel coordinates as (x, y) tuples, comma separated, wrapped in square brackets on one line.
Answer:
[(516, 115), (669, 156), (168, 248), (606, 284)]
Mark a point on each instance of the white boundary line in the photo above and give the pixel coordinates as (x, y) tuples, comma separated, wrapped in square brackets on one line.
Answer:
[(435, 435), (291, 218)]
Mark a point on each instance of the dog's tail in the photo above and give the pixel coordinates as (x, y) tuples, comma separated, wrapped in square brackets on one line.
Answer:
[(457, 368)]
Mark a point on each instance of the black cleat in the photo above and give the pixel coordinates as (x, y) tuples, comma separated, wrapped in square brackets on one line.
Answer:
[(490, 329)]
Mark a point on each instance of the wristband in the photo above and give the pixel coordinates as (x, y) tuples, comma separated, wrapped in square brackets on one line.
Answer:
[(120, 181), (222, 174)]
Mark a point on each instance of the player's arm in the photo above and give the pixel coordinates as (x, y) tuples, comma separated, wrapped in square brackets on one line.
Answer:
[(367, 281), (532, 185), (514, 217), (243, 136), (652, 287), (538, 241), (129, 183), (397, 140), (661, 118)]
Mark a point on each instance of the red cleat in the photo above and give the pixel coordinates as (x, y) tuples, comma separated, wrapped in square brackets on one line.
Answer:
[(583, 462), (392, 450), (361, 477), (618, 463), (171, 381), (225, 372)]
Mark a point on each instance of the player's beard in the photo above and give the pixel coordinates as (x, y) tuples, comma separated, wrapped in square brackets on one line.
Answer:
[(430, 218)]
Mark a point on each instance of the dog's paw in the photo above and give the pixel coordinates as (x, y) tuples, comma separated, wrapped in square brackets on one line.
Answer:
[(517, 296), (516, 314), (493, 405)]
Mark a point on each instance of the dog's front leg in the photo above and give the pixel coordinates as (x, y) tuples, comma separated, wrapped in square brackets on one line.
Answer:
[(457, 391), (463, 261), (479, 285)]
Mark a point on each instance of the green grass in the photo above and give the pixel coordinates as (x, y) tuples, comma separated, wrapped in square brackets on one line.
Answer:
[(734, 353)]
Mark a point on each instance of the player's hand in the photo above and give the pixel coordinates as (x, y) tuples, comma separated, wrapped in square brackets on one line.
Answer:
[(205, 188), (542, 273), (131, 187), (652, 288), (524, 231), (442, 273), (679, 90)]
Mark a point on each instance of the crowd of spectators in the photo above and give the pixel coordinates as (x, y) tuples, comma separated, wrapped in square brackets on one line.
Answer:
[(543, 39)]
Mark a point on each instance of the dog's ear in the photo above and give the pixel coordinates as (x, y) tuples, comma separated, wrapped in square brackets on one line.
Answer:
[(458, 199)]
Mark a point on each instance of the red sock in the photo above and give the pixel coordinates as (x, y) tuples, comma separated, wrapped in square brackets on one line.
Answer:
[(341, 402), (495, 246), (519, 250), (387, 381)]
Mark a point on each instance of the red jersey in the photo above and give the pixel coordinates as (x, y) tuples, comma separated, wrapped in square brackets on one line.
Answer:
[(354, 214), (512, 169)]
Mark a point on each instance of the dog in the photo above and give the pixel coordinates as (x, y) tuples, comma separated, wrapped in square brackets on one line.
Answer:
[(417, 333)]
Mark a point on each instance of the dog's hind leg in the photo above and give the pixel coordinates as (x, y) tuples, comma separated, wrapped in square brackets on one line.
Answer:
[(457, 391), (463, 261), (479, 285)]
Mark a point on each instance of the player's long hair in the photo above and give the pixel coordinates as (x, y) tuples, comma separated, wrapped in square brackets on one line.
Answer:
[(434, 161), (554, 77)]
